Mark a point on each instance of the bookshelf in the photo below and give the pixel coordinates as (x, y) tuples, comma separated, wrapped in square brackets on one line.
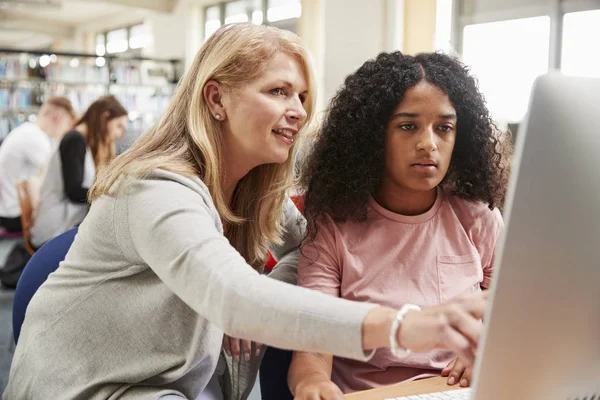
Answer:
[(143, 85)]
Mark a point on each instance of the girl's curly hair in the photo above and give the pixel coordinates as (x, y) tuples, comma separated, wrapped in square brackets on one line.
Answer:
[(346, 163)]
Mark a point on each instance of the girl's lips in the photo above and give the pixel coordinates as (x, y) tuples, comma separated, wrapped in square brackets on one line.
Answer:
[(424, 168)]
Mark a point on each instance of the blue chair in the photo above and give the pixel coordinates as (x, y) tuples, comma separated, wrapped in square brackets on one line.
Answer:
[(42, 263), (273, 374)]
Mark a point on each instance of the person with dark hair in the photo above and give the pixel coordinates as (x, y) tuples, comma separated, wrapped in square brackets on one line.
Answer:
[(402, 194), (72, 168)]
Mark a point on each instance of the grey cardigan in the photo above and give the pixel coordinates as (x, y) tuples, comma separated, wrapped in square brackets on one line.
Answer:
[(57, 213), (138, 308)]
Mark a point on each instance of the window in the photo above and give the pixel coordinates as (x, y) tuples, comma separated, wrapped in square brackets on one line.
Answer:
[(443, 26), (280, 10), (570, 43), (257, 17), (281, 13), (506, 57), (235, 11), (139, 36), (580, 55), (100, 49), (123, 39), (116, 41), (213, 20)]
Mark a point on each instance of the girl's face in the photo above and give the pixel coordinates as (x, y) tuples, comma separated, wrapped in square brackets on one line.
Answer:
[(264, 116), (117, 127), (419, 140)]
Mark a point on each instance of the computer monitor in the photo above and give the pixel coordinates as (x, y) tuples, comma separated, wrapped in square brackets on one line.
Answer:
[(542, 334)]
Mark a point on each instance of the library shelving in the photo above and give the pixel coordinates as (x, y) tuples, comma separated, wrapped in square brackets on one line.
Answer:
[(143, 85)]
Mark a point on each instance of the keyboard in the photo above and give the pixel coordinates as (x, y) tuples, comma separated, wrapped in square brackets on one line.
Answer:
[(464, 394)]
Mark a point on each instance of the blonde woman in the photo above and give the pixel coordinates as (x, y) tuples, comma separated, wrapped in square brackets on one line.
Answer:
[(166, 261)]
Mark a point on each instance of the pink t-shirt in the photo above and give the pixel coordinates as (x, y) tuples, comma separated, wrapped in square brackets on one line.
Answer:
[(394, 259)]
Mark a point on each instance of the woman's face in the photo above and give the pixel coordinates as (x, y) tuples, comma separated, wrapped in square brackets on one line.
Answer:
[(117, 127), (420, 139), (264, 116)]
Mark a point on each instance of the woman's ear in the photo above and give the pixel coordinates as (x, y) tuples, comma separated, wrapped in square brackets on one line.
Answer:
[(213, 93), (105, 115)]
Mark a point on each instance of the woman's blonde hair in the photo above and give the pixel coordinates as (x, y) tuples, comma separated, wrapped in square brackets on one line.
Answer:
[(187, 139)]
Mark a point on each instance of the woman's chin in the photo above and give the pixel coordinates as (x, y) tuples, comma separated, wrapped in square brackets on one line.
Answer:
[(279, 157)]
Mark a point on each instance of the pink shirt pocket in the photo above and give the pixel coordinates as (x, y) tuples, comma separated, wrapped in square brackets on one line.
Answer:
[(458, 275)]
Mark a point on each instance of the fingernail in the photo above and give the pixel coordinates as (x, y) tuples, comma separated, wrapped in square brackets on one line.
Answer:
[(236, 357), (451, 381), (228, 353), (464, 382), (257, 352), (247, 356)]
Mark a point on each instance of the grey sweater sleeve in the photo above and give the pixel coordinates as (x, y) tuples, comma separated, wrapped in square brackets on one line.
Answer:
[(171, 229)]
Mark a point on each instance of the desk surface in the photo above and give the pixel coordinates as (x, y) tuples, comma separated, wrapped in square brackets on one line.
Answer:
[(423, 386)]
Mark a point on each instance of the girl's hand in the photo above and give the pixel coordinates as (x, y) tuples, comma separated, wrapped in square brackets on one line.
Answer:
[(457, 371), (318, 387)]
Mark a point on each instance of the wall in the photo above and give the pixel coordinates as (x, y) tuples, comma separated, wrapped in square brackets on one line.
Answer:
[(419, 26), (343, 34), (170, 32), (311, 28), (353, 34)]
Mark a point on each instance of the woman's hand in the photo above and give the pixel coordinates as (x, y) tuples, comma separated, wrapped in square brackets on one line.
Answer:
[(318, 387), (455, 326), (457, 371), (238, 348)]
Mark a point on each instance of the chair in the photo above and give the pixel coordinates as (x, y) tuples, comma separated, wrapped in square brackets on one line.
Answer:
[(29, 199), (4, 234), (43, 263)]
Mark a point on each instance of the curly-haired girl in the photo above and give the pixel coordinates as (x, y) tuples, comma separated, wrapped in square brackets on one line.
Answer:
[(403, 187)]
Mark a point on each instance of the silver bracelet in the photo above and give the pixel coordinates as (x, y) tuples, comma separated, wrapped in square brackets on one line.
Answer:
[(394, 346)]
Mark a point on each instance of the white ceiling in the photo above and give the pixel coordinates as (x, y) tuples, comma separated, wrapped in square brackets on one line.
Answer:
[(38, 23), (70, 12)]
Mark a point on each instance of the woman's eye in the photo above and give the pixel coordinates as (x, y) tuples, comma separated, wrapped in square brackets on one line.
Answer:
[(407, 127), (278, 92), (445, 128)]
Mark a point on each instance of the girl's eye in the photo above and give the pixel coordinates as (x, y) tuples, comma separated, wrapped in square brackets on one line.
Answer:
[(278, 92), (407, 127), (445, 128)]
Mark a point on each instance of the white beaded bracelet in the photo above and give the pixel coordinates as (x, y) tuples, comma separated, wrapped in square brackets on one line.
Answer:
[(394, 346)]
